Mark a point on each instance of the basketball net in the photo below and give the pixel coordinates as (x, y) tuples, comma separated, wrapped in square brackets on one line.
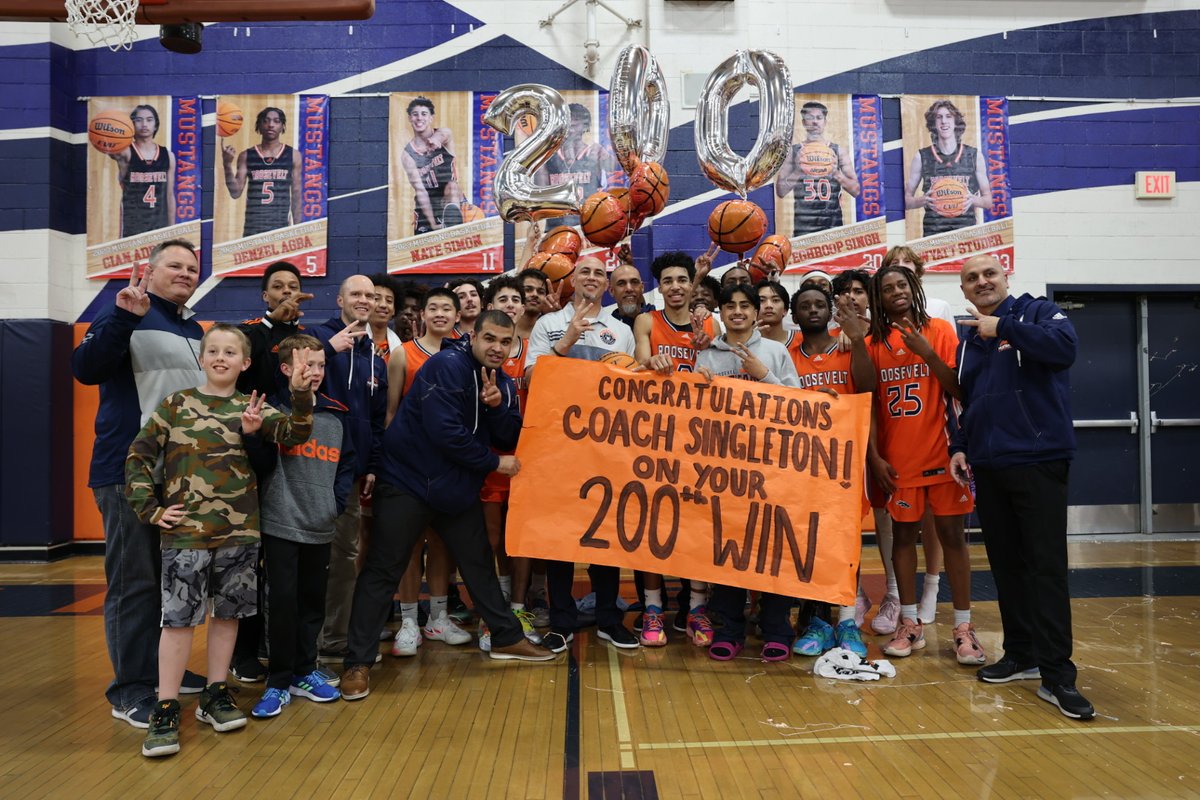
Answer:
[(107, 22)]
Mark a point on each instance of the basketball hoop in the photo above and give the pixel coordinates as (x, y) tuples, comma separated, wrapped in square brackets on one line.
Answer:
[(107, 22)]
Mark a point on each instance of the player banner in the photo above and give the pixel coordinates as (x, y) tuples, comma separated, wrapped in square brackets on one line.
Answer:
[(585, 157), (957, 193), (143, 179), (272, 183), (829, 191), (740, 483), (442, 214)]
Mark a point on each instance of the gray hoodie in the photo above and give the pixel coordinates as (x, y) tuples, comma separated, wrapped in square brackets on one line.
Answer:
[(721, 360)]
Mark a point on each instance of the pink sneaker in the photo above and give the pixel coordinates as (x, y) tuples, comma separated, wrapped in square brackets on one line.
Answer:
[(966, 643), (862, 604), (653, 632), (910, 636), (887, 615), (699, 627)]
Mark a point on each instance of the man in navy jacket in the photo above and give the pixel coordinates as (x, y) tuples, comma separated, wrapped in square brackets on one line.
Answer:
[(1016, 433), (436, 453)]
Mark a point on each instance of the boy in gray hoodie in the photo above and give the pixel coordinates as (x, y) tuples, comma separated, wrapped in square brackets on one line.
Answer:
[(741, 352), (301, 497)]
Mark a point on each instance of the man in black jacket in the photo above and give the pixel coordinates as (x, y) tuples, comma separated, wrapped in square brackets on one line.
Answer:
[(1016, 432)]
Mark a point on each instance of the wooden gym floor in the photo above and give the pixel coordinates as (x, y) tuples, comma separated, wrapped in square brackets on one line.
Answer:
[(669, 722)]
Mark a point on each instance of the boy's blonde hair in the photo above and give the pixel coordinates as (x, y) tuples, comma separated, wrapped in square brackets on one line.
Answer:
[(225, 327), (297, 341)]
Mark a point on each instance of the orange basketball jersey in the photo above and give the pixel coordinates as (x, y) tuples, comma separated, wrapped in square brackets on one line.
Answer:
[(829, 369), (414, 357), (912, 411), (674, 340), (514, 367), (383, 349)]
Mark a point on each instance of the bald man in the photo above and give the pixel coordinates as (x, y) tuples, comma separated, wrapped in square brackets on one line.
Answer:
[(1016, 437), (581, 330), (356, 378)]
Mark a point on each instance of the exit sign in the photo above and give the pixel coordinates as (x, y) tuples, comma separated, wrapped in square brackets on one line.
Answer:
[(1154, 185)]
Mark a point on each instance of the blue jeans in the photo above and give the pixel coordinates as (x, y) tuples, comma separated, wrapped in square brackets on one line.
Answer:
[(132, 607)]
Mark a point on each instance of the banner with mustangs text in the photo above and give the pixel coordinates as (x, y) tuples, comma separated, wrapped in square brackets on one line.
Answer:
[(735, 482)]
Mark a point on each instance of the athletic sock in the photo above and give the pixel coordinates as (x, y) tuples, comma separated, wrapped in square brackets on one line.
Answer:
[(697, 597), (437, 607), (892, 588), (506, 585), (408, 611), (517, 606), (908, 611), (932, 582), (654, 598), (845, 613), (961, 616)]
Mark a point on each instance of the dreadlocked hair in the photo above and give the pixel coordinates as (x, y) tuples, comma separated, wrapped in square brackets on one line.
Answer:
[(880, 324)]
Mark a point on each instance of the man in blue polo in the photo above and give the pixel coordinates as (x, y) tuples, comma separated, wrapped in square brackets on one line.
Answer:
[(1017, 436)]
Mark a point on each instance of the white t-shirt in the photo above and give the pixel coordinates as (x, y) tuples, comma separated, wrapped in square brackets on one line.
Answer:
[(607, 335)]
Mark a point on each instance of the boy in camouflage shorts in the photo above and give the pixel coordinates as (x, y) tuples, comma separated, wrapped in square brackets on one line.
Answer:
[(207, 507)]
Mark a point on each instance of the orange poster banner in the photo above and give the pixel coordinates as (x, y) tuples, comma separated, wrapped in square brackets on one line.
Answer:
[(745, 484)]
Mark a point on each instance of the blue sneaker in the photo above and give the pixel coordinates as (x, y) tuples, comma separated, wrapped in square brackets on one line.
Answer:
[(314, 687), (850, 638), (271, 704), (817, 638)]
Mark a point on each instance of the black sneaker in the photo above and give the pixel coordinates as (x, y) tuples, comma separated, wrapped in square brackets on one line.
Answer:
[(162, 736), (637, 622), (248, 670), (680, 621), (192, 683), (1007, 669), (618, 636), (556, 642), (137, 715), (1068, 699)]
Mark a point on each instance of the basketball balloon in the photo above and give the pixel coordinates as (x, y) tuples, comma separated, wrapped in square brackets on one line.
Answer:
[(736, 225), (783, 243), (769, 258), (817, 160), (649, 188), (229, 119), (948, 197), (471, 212), (564, 241), (618, 359), (622, 195), (603, 219), (558, 268), (110, 131)]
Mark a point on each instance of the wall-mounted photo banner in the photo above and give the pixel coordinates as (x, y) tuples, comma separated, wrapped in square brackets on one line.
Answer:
[(957, 193), (585, 157), (736, 482), (829, 191), (143, 179), (442, 215), (272, 183)]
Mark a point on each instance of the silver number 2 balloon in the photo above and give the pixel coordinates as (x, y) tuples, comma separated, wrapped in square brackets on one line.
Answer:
[(517, 195), (776, 119), (639, 113)]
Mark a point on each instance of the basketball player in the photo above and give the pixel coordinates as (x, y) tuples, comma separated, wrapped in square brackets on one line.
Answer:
[(736, 274), (773, 304), (822, 365), (439, 315), (668, 340), (932, 548), (819, 206), (146, 172), (428, 162), (948, 156), (470, 303), (908, 454), (533, 283), (586, 163), (504, 294), (270, 169), (387, 293), (741, 352), (582, 330), (408, 311)]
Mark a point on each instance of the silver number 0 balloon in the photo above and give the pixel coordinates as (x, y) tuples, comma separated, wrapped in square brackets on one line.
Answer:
[(517, 195), (639, 113), (776, 120)]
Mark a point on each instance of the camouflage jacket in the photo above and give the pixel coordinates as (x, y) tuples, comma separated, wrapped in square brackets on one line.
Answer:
[(205, 467)]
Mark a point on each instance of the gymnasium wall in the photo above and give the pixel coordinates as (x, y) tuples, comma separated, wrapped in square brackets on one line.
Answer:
[(1070, 69)]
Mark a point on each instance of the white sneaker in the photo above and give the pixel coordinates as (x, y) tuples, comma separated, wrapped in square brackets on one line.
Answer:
[(445, 630), (485, 637), (408, 639), (888, 615)]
